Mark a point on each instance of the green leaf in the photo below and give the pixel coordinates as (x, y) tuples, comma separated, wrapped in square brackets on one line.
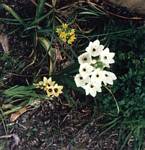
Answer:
[(21, 92), (13, 13), (39, 9), (45, 43), (73, 68), (37, 20)]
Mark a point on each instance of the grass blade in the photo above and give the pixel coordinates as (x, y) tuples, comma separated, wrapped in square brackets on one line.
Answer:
[(39, 9), (13, 13)]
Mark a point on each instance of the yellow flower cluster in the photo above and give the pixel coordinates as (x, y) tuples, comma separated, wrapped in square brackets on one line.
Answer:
[(66, 34), (52, 89)]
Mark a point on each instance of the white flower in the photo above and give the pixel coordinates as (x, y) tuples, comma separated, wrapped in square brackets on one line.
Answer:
[(107, 57), (92, 89), (95, 48), (97, 76), (94, 61), (109, 77), (85, 58), (85, 69), (92, 75), (81, 80)]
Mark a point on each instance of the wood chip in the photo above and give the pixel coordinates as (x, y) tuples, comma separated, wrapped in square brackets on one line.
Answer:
[(17, 114)]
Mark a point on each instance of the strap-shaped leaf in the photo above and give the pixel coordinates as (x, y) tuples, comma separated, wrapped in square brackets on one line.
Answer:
[(13, 13)]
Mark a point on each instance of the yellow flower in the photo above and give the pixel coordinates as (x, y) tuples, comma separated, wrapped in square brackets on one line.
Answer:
[(49, 87), (49, 91), (64, 26), (39, 84), (47, 82), (66, 34), (58, 30), (63, 36), (57, 90), (71, 39), (72, 32)]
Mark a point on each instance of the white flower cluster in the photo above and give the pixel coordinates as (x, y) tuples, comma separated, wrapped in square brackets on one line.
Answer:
[(92, 75)]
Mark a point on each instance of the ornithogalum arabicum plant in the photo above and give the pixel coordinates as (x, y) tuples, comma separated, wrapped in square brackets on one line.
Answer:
[(92, 72)]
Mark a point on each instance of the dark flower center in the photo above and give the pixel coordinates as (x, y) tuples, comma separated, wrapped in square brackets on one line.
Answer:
[(94, 49), (50, 90), (97, 76), (84, 70), (105, 57), (91, 86), (55, 90), (85, 58)]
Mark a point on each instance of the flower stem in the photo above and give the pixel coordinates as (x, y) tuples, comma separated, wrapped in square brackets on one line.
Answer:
[(118, 110)]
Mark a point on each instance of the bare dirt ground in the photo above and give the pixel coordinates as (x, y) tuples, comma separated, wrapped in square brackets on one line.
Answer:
[(53, 126), (57, 127)]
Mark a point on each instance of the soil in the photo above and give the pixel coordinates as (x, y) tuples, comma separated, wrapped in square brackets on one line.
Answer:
[(53, 126), (58, 127)]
